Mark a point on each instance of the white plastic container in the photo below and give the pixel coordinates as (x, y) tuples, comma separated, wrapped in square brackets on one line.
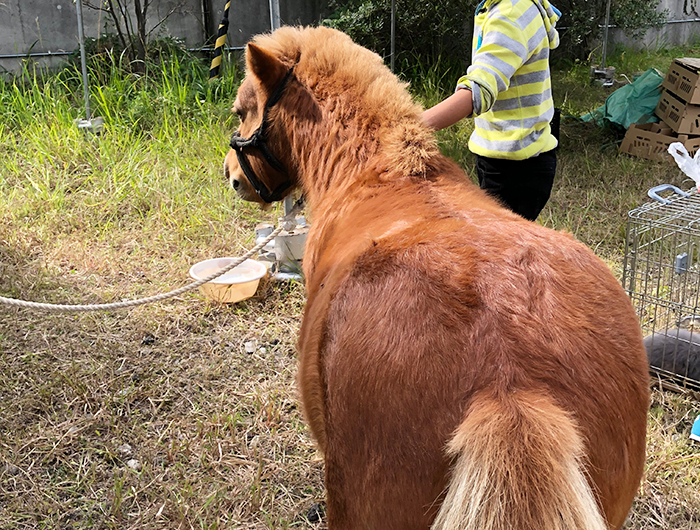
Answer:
[(239, 283)]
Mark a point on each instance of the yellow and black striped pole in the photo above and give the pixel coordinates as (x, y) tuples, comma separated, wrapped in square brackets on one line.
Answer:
[(219, 46)]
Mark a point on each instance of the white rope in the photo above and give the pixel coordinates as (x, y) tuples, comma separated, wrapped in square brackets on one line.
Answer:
[(142, 301)]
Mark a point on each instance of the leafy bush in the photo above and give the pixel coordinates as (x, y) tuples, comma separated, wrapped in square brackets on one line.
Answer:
[(425, 31)]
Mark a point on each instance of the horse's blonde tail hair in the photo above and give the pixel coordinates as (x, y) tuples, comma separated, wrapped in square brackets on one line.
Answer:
[(518, 466)]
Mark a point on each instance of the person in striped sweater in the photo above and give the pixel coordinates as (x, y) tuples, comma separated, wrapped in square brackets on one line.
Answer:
[(507, 89)]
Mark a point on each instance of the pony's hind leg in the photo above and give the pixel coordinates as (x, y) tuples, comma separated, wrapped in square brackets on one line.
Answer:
[(376, 485)]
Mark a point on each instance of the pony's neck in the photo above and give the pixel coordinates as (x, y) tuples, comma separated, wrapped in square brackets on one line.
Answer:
[(346, 149)]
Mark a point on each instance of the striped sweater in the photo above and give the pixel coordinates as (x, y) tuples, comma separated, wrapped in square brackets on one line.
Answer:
[(509, 78)]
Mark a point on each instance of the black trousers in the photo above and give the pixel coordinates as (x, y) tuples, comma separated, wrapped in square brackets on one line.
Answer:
[(523, 186)]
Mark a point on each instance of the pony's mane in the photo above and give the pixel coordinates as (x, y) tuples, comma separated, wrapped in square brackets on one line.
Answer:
[(330, 63), (325, 52)]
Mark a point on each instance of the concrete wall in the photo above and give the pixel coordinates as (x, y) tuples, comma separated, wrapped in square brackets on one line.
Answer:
[(51, 26), (683, 27), (248, 17)]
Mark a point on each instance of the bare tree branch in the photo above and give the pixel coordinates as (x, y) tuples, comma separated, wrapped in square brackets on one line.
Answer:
[(140, 34), (117, 25), (134, 39), (128, 24), (166, 17), (95, 8)]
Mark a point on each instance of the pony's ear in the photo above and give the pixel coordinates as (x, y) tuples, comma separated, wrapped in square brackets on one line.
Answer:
[(265, 66)]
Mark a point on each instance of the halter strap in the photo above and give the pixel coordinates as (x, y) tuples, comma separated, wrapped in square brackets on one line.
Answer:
[(258, 140)]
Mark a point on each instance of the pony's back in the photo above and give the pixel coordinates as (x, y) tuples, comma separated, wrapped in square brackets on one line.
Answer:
[(471, 352)]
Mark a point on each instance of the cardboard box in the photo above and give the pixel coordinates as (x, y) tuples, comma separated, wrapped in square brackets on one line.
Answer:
[(651, 140), (683, 117), (683, 79)]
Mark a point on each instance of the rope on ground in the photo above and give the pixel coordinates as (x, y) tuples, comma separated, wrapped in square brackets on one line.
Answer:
[(59, 308)]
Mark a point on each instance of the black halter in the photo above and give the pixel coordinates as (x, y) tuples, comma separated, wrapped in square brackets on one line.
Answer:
[(258, 141)]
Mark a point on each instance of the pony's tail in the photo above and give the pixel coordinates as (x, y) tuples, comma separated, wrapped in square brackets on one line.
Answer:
[(518, 466)]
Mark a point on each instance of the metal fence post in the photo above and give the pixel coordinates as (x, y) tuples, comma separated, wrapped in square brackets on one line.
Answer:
[(81, 38), (274, 14), (605, 34), (393, 32)]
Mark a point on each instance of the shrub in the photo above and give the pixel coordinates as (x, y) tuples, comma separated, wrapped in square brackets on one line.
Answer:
[(425, 31)]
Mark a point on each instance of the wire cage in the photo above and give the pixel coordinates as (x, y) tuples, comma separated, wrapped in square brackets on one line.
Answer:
[(661, 274)]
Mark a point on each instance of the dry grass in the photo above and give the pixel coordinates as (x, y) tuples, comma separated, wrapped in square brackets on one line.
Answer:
[(156, 417), (669, 496)]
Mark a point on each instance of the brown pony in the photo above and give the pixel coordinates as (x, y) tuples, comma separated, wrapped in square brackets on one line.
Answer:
[(460, 367)]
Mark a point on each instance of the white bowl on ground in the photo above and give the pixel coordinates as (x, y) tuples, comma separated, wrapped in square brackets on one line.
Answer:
[(239, 283)]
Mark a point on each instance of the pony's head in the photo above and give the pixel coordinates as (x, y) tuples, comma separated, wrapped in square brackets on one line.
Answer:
[(257, 165), (316, 110)]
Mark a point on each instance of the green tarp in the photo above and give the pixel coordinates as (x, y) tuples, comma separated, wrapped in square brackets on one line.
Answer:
[(633, 103)]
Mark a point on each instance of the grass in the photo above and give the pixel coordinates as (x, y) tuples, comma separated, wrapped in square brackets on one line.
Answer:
[(156, 417)]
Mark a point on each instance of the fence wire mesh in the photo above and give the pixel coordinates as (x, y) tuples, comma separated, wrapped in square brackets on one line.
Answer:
[(661, 273)]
